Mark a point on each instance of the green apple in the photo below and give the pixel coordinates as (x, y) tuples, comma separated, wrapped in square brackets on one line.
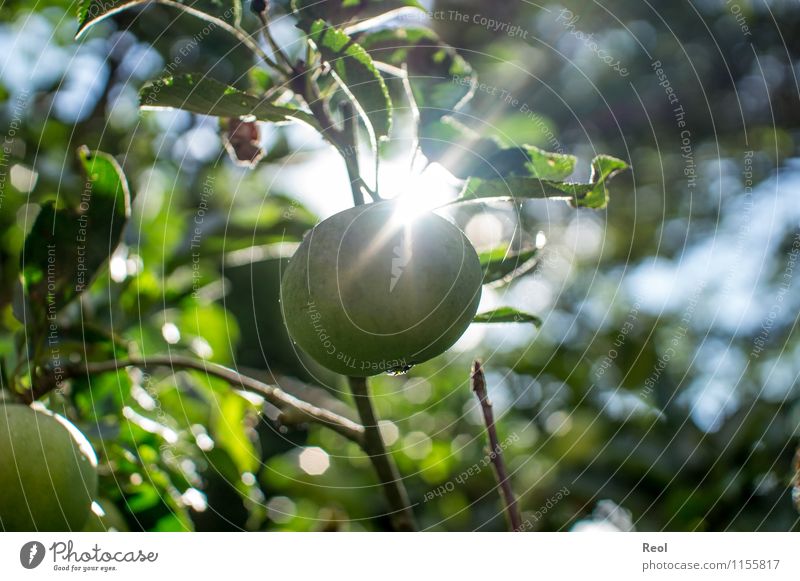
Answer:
[(48, 471), (371, 290)]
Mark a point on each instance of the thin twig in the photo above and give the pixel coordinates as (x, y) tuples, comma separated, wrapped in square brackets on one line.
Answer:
[(267, 34), (293, 407), (344, 140), (241, 35), (495, 451), (402, 516)]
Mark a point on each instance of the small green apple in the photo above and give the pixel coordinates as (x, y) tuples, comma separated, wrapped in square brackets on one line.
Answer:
[(48, 471), (371, 290)]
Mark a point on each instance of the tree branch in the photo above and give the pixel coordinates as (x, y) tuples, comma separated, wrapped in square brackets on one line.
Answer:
[(263, 16), (293, 407), (240, 35), (495, 451), (344, 140), (402, 516)]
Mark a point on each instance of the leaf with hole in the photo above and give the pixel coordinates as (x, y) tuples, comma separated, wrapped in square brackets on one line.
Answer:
[(523, 161), (547, 165), (583, 195)]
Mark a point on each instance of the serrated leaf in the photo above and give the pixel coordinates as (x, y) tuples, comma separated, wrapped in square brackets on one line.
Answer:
[(90, 12), (356, 74), (344, 12), (523, 161), (586, 195), (502, 264), (440, 78), (507, 315), (205, 96), (68, 246), (521, 188)]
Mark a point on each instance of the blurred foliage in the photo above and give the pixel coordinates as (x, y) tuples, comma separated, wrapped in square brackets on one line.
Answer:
[(651, 383)]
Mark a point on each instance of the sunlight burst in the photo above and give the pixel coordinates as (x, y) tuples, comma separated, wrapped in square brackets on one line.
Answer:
[(417, 193)]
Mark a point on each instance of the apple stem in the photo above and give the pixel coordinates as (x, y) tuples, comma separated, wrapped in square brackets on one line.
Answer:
[(495, 450), (350, 152), (402, 516), (346, 142)]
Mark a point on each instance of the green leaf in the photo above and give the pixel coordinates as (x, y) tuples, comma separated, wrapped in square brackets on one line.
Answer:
[(502, 264), (441, 80), (67, 246), (90, 12), (205, 96), (215, 326), (547, 165), (587, 195), (356, 74), (107, 186), (147, 497), (520, 188), (260, 80), (343, 12), (229, 427), (604, 167), (507, 315), (524, 161)]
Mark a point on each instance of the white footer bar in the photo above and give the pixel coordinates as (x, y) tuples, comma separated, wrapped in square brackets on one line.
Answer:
[(385, 556)]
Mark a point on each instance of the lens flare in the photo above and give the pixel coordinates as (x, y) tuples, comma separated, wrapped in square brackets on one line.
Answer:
[(418, 192)]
